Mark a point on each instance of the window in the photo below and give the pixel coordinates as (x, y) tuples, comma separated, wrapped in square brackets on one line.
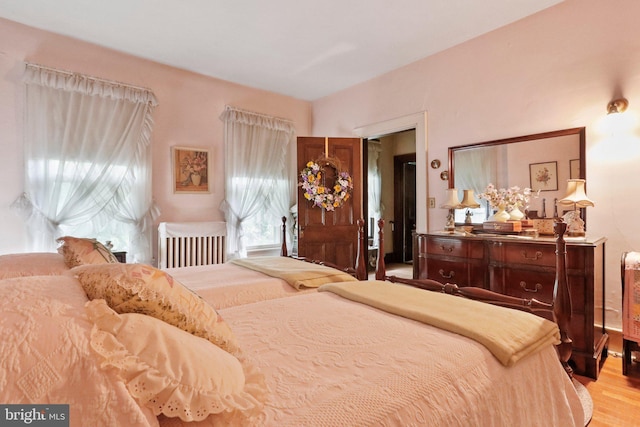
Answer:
[(257, 183), (88, 161)]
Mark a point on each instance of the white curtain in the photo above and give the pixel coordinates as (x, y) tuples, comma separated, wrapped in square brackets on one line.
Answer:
[(256, 176), (87, 161), (374, 202), (475, 169)]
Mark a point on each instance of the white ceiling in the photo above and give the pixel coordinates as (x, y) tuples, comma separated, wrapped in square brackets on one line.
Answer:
[(303, 48)]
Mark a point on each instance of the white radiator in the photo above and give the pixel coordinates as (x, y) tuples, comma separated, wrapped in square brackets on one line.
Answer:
[(184, 244)]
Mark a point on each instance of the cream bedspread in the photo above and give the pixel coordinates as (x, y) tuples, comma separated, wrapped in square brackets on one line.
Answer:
[(299, 274), (329, 361), (228, 285), (510, 335)]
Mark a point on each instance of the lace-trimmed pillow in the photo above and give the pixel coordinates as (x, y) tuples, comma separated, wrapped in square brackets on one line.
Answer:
[(170, 371), (32, 264), (80, 251), (140, 288)]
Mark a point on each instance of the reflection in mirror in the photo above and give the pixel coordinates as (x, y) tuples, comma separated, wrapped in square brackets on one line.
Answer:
[(542, 162)]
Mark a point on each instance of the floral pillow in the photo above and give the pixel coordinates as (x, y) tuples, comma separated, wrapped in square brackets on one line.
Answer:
[(170, 371), (140, 288), (32, 264), (80, 251)]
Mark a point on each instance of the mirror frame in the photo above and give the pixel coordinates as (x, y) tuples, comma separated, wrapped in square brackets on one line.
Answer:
[(579, 131)]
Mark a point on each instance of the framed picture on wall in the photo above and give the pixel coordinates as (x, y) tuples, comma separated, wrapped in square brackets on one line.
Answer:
[(190, 170), (574, 169), (544, 176)]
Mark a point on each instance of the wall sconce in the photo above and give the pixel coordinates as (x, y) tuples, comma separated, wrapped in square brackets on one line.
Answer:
[(576, 197), (617, 106)]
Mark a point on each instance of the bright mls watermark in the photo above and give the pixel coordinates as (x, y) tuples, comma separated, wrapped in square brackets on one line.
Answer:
[(34, 415)]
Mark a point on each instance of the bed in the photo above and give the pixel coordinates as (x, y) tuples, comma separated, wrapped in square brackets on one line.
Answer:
[(192, 252), (127, 344)]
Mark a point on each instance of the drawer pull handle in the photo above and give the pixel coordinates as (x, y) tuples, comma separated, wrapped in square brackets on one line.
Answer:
[(446, 248), (523, 285), (536, 256), (447, 276)]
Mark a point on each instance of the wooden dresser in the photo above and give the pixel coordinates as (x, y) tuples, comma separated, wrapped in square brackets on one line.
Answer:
[(525, 268)]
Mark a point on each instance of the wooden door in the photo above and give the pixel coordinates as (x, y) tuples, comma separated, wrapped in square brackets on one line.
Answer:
[(331, 236), (404, 209)]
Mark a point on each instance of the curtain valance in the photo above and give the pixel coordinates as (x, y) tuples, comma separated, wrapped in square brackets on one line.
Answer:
[(234, 115), (75, 82)]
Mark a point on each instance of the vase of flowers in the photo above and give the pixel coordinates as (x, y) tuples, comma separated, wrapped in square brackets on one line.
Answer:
[(508, 200), (516, 214), (501, 215), (193, 168)]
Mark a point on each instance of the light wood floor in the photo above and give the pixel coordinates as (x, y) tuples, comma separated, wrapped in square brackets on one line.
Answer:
[(616, 398)]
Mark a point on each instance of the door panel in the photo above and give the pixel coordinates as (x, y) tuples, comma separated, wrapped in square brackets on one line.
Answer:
[(331, 236), (404, 212)]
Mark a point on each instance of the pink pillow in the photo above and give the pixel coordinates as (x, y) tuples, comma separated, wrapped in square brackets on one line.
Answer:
[(45, 356)]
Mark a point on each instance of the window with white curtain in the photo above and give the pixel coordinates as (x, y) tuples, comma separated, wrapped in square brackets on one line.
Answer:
[(259, 190), (374, 179), (87, 161), (475, 169)]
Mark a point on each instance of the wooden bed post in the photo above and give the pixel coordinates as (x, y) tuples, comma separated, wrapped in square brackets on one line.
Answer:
[(562, 298), (361, 255), (283, 248), (380, 267)]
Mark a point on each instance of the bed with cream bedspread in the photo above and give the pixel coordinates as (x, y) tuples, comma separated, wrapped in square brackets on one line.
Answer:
[(255, 279), (329, 361)]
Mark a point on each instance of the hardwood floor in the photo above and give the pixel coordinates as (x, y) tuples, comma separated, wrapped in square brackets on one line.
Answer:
[(616, 398)]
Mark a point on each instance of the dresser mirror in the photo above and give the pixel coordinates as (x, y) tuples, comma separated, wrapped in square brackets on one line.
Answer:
[(520, 161)]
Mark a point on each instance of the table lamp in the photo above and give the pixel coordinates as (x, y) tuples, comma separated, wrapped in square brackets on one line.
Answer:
[(577, 197), (452, 202), (469, 202)]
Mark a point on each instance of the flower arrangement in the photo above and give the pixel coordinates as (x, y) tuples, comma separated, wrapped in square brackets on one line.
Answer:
[(194, 164), (511, 198), (328, 198)]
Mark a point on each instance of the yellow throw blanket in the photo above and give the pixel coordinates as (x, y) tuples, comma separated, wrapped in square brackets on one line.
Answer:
[(295, 272), (508, 334)]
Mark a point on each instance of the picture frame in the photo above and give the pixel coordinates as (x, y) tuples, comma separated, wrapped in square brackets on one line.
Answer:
[(574, 169), (544, 176), (190, 167)]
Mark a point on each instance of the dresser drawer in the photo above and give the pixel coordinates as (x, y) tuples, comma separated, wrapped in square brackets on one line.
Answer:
[(455, 247), (540, 255), (458, 273), (535, 255), (530, 284)]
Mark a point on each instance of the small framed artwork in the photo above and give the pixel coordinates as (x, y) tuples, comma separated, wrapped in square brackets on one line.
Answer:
[(544, 176), (574, 169), (190, 170)]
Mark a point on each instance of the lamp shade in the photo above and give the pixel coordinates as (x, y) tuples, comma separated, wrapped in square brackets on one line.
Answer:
[(452, 202), (468, 200), (576, 194)]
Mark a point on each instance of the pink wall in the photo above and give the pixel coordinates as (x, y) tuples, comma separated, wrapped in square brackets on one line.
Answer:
[(190, 105), (554, 70)]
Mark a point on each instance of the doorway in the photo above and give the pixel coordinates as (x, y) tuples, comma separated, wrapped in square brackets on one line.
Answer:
[(391, 194)]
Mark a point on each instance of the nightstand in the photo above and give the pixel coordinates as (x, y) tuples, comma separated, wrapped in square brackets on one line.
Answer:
[(120, 256)]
